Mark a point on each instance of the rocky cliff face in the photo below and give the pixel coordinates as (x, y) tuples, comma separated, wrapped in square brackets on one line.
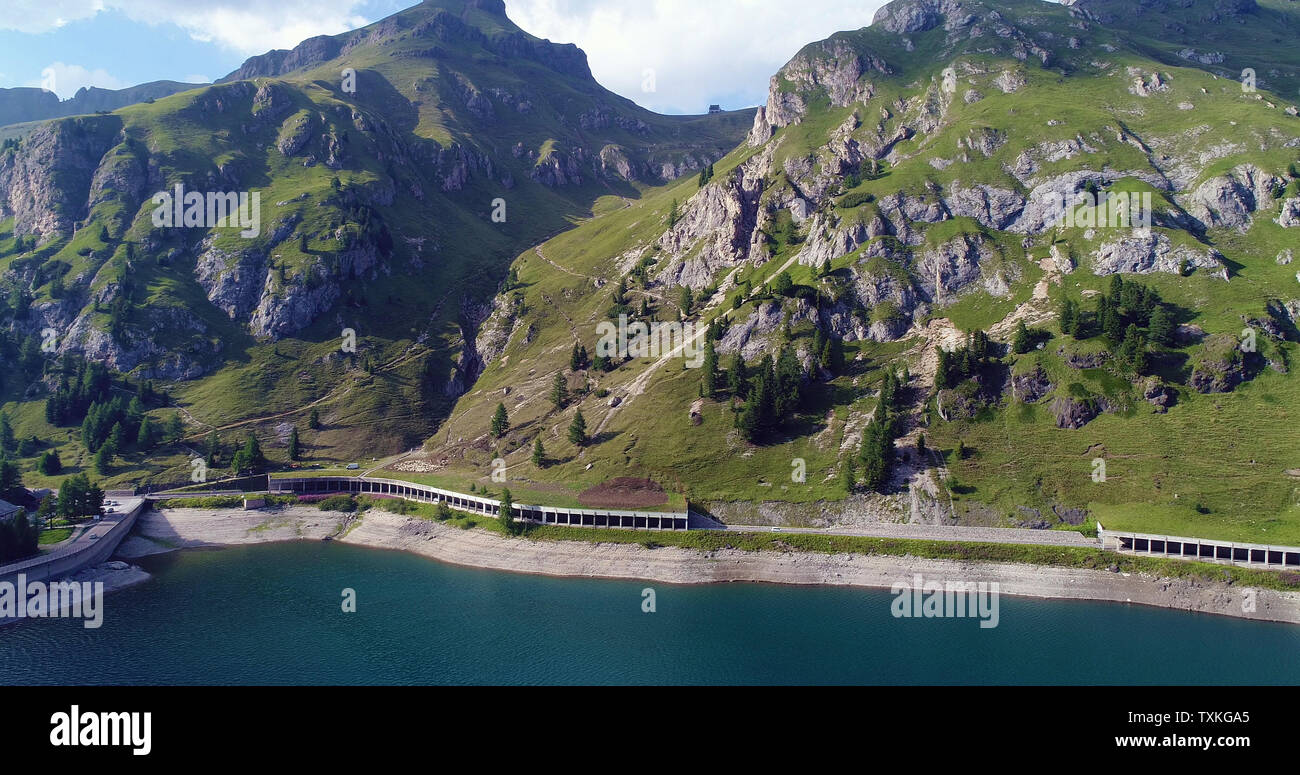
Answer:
[(891, 122), (46, 185), (1229, 201), (718, 228)]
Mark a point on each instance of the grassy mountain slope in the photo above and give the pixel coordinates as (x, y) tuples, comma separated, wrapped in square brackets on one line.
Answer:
[(1223, 36), (376, 216), (917, 157)]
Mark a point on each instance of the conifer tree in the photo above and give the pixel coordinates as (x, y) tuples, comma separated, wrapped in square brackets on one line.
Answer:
[(578, 430), (560, 391), (500, 422)]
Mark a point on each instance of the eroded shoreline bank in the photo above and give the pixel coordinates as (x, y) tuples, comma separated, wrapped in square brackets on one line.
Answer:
[(175, 529)]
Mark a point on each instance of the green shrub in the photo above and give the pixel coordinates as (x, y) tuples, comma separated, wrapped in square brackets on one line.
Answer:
[(856, 199), (338, 503), (211, 502)]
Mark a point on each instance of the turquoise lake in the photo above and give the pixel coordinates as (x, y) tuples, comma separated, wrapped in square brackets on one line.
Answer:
[(272, 614)]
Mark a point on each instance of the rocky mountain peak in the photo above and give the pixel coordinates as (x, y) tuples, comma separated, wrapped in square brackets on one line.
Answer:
[(449, 23), (911, 16)]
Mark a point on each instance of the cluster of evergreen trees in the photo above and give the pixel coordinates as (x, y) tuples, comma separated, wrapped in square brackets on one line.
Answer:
[(112, 422), (113, 427), (1131, 317), (738, 379), (830, 352), (88, 382), (578, 359), (27, 355), (772, 392), (877, 451), (640, 273), (109, 424), (363, 225), (80, 497), (962, 363), (248, 459), (706, 174)]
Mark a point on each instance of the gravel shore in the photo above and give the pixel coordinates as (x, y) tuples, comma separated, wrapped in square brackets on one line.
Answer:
[(162, 531)]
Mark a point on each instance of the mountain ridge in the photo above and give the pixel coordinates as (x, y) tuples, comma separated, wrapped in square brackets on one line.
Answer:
[(895, 200), (378, 213), (26, 104)]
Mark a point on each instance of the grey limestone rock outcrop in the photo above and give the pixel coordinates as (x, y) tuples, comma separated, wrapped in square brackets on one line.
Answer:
[(717, 227), (1146, 251), (1229, 200), (1289, 216), (47, 185), (906, 18)]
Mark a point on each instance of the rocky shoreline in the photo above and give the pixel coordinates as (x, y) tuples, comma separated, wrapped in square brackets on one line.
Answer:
[(174, 529)]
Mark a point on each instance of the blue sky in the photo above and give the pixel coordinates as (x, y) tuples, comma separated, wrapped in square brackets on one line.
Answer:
[(700, 51)]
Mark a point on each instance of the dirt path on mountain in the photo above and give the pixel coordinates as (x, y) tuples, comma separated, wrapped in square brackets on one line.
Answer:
[(638, 385), (566, 270)]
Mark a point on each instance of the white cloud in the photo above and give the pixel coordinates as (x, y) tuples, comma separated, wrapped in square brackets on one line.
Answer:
[(64, 79), (245, 26), (35, 16), (700, 52)]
